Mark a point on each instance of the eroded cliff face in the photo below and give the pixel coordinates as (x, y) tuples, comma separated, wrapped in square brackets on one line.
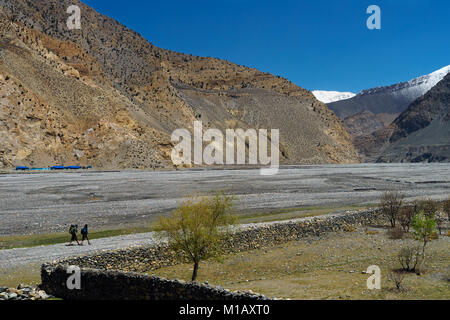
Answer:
[(105, 96)]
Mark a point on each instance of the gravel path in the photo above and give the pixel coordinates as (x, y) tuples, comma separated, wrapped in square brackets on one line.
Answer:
[(14, 258), (50, 202)]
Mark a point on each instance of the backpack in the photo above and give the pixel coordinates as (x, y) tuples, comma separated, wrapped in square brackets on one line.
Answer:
[(84, 231), (72, 229)]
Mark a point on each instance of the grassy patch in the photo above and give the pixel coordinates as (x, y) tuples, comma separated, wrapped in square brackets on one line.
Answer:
[(327, 268), (28, 241), (35, 240), (15, 275), (294, 213)]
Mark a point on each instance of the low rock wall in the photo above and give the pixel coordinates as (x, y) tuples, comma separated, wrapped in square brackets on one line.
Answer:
[(100, 279)]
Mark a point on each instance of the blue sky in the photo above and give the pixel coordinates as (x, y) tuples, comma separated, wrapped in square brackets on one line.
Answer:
[(317, 44)]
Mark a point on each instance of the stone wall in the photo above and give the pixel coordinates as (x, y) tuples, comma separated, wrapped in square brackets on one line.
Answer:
[(100, 281), (116, 285), (249, 237)]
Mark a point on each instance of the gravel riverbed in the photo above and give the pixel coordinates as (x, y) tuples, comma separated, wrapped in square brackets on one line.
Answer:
[(50, 202)]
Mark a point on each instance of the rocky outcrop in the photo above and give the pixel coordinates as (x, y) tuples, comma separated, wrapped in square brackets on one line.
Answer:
[(366, 122), (105, 96)]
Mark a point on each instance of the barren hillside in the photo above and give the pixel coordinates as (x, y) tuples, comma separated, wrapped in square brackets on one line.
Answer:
[(105, 96), (419, 134)]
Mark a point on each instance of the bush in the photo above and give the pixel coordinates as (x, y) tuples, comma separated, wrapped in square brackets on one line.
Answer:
[(395, 233), (390, 202), (409, 258), (440, 221), (397, 277), (429, 207), (405, 216), (446, 208)]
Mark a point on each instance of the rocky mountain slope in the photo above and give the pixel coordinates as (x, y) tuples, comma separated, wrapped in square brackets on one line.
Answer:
[(376, 108), (392, 99), (105, 96), (370, 113), (419, 134)]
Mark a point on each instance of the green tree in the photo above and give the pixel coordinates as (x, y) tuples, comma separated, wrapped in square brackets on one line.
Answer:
[(424, 227), (197, 229)]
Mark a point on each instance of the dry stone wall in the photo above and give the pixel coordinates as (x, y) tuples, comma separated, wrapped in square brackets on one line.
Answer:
[(100, 279)]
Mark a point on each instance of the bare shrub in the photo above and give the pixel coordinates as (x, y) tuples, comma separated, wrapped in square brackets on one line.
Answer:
[(390, 202), (395, 233), (429, 208), (409, 258), (405, 216), (440, 221), (446, 208), (397, 277)]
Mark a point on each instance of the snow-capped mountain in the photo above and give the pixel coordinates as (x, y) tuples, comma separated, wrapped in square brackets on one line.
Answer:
[(392, 99), (416, 87), (332, 96), (419, 134)]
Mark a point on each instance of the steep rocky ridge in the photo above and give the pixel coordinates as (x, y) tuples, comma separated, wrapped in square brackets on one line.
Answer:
[(393, 99), (103, 95), (419, 134), (368, 115)]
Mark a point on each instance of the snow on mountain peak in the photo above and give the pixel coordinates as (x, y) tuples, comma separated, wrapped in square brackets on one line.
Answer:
[(431, 79), (332, 96), (415, 87)]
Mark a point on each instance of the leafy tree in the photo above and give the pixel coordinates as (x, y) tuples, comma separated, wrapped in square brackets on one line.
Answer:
[(197, 229), (390, 202), (424, 227)]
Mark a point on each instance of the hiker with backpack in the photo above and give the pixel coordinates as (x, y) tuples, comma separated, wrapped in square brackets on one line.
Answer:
[(73, 232), (84, 233)]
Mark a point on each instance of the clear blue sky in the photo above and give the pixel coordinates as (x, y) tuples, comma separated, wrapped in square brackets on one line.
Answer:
[(317, 44)]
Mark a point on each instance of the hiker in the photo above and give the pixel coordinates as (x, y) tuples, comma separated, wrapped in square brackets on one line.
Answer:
[(84, 233), (73, 231)]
